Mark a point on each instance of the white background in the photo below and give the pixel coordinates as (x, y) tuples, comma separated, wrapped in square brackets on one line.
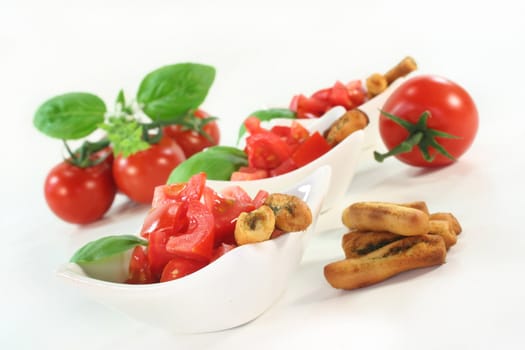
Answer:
[(264, 53)]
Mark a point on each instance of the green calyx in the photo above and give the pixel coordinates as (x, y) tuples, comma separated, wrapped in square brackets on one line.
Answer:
[(84, 156), (420, 135)]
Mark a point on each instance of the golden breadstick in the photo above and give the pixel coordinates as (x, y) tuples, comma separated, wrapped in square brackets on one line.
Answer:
[(291, 212), (345, 125), (420, 205), (442, 228), (404, 67), (406, 254), (358, 243), (454, 223), (380, 216), (376, 84)]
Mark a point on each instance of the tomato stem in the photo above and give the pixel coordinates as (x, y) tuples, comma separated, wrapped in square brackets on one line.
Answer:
[(420, 135), (82, 156)]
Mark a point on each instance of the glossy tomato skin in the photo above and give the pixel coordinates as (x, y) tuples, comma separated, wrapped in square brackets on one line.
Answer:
[(138, 175), (452, 111), (191, 141), (80, 195)]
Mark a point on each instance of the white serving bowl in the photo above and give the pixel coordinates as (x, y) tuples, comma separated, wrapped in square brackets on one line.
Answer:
[(233, 290), (343, 159)]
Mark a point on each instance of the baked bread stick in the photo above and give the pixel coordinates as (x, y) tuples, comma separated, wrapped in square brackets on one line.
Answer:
[(420, 205), (381, 216), (358, 243), (406, 254), (442, 228), (454, 223)]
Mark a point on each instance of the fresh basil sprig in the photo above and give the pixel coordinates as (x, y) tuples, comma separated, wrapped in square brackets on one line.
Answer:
[(171, 91), (106, 247), (268, 114), (70, 116), (218, 162)]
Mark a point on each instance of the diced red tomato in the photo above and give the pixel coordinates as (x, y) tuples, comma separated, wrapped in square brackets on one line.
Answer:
[(266, 150), (298, 132), (314, 147), (348, 96), (191, 190), (357, 92), (179, 267), (285, 167), (248, 173), (339, 96), (225, 210), (308, 107), (253, 125), (139, 270), (197, 242), (169, 216), (260, 198), (158, 256)]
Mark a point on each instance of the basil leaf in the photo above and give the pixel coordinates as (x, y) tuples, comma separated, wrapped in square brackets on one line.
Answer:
[(70, 116), (106, 247), (218, 162), (268, 114), (171, 91)]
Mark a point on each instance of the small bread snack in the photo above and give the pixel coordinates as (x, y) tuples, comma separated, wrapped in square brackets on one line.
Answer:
[(382, 216), (377, 83), (291, 213), (420, 205), (359, 243), (402, 255), (348, 123), (255, 226), (442, 228), (454, 223), (281, 213), (387, 239)]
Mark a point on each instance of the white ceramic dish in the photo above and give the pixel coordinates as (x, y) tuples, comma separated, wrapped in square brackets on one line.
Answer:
[(233, 290), (343, 158)]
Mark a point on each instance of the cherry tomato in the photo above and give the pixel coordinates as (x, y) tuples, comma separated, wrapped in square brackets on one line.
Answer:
[(138, 175), (80, 195), (191, 141), (451, 109)]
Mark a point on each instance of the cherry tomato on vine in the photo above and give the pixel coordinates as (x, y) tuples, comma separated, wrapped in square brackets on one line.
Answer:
[(192, 141), (434, 114), (80, 195), (138, 174)]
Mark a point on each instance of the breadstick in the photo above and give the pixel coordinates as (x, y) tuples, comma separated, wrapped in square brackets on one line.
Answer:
[(442, 228), (358, 243), (376, 84), (420, 205), (380, 216), (345, 125), (454, 223), (402, 255), (404, 67)]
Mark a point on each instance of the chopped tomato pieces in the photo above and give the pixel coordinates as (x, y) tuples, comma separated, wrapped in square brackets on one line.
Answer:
[(311, 149)]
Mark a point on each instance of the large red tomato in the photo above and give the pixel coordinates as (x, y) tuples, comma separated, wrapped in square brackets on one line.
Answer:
[(138, 174), (439, 138), (80, 195), (190, 140)]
